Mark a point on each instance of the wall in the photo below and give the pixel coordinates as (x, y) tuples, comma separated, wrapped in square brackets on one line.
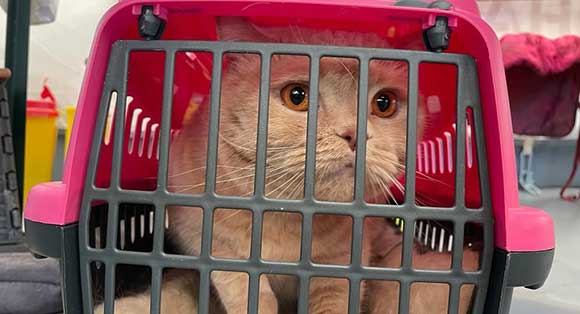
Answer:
[(551, 18), (58, 50)]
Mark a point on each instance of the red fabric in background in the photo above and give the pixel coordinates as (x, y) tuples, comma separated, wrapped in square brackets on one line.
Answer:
[(543, 77)]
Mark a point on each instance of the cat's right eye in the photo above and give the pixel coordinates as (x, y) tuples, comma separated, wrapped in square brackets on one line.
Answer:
[(295, 96), (384, 104)]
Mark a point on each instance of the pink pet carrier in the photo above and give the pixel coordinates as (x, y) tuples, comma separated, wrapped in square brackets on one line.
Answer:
[(153, 62)]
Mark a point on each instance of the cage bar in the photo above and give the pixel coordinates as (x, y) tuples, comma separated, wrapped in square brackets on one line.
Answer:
[(164, 132), (214, 117), (311, 131), (156, 273), (262, 140), (319, 207), (454, 294), (110, 268), (460, 132), (361, 132)]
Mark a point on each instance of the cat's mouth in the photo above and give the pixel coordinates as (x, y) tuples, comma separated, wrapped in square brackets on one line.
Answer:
[(343, 168)]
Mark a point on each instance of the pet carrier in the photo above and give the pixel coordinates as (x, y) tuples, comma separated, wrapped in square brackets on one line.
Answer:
[(154, 62)]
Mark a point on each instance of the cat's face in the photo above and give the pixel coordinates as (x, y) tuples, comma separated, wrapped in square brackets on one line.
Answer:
[(337, 115)]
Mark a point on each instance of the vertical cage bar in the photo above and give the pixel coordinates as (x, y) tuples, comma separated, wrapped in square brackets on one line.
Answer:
[(303, 294), (404, 296), (458, 238), (214, 117), (207, 228), (354, 295), (306, 242), (361, 132), (482, 161), (480, 293), (411, 151), (159, 228), (256, 244), (112, 225), (165, 127), (164, 142), (114, 69), (454, 293), (119, 126), (156, 273), (475, 102), (110, 269), (408, 242), (254, 293), (311, 137), (87, 284), (486, 265), (204, 285), (262, 139), (357, 239), (460, 127), (309, 181)]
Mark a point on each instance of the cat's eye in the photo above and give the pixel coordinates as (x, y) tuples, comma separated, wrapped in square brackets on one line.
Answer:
[(295, 96), (384, 104)]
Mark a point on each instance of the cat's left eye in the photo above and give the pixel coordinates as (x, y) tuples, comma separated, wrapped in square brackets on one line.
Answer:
[(384, 104), (295, 96)]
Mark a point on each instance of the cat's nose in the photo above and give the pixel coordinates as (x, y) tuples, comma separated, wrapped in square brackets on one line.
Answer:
[(349, 135)]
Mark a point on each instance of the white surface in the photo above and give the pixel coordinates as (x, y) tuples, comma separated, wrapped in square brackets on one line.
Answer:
[(58, 50)]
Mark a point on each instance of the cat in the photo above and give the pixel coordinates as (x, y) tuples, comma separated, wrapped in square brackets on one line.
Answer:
[(334, 180)]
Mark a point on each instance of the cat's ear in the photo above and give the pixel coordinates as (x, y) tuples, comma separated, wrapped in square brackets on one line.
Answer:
[(231, 28)]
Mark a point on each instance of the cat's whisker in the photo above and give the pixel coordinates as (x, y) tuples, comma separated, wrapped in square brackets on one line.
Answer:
[(223, 138), (175, 175), (279, 177), (387, 192), (183, 173), (285, 184), (299, 186), (230, 216)]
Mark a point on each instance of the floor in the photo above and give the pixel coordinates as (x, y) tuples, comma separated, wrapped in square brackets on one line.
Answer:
[(561, 293)]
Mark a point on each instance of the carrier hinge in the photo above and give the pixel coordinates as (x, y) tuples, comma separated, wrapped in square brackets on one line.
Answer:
[(437, 36), (151, 26)]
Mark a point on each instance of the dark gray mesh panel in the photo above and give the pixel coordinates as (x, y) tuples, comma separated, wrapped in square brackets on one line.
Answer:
[(110, 256)]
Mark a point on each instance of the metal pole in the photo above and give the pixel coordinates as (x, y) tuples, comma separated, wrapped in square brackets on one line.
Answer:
[(17, 33)]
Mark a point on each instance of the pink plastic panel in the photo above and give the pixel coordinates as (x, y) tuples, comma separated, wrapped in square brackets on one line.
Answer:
[(193, 20)]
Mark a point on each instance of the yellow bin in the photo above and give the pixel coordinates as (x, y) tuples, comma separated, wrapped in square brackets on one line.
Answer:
[(70, 118), (40, 142)]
